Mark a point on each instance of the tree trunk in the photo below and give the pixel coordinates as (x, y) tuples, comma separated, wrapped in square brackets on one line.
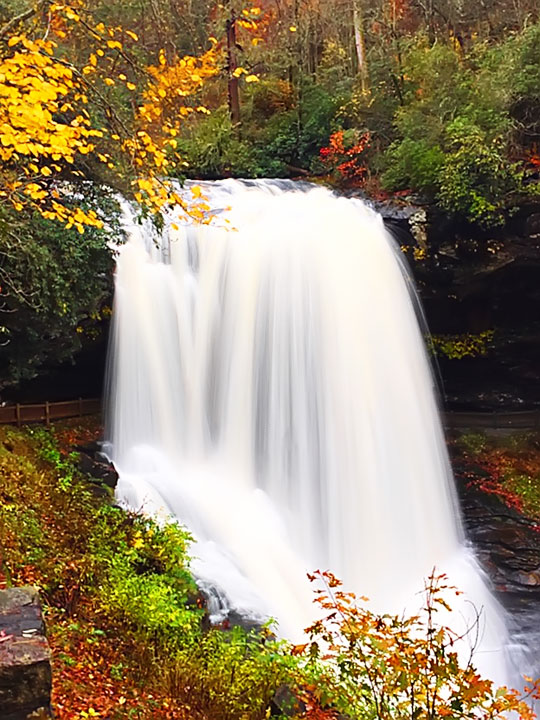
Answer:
[(358, 22), (232, 64)]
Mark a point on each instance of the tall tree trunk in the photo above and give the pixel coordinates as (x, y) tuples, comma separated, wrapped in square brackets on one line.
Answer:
[(358, 22), (232, 64), (430, 18)]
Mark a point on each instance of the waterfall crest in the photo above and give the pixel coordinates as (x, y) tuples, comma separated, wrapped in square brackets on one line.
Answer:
[(270, 388)]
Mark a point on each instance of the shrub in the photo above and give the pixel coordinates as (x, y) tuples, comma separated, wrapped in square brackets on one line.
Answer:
[(454, 133), (385, 666), (345, 156), (213, 149), (52, 283), (230, 675), (413, 164), (476, 177)]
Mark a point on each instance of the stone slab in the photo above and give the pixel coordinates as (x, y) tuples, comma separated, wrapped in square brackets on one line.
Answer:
[(25, 657)]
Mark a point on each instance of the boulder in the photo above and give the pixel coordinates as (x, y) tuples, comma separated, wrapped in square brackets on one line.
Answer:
[(25, 657), (97, 466)]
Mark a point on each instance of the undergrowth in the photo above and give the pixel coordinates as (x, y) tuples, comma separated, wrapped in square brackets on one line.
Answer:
[(505, 466), (131, 638), (125, 618)]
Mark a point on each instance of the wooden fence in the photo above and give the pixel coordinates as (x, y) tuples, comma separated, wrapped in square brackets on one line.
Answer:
[(47, 412)]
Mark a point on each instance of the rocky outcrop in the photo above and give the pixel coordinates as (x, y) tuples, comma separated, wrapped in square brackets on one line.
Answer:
[(99, 470), (472, 280), (507, 545), (25, 658)]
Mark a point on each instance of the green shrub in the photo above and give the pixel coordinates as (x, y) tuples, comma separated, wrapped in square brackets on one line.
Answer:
[(213, 149), (456, 347), (454, 132), (145, 580), (54, 284), (477, 179), (413, 164), (231, 675)]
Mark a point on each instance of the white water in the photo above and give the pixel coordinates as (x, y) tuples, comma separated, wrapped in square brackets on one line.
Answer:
[(271, 389)]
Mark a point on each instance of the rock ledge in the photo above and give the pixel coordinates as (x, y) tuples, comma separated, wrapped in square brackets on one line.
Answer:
[(25, 657)]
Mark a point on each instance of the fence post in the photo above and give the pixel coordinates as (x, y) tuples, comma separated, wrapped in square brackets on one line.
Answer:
[(18, 414)]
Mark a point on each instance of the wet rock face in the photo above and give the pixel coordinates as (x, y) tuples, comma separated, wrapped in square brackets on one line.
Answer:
[(532, 225), (507, 543), (507, 546), (472, 280), (25, 657)]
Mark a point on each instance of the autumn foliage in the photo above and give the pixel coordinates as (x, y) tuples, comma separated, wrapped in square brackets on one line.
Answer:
[(41, 131), (507, 468), (387, 666), (60, 117), (131, 637), (347, 160)]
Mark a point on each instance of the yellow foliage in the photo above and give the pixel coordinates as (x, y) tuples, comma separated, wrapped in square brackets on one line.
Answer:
[(173, 82), (34, 89), (45, 129)]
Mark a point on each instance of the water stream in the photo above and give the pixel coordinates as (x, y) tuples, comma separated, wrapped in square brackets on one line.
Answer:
[(271, 389)]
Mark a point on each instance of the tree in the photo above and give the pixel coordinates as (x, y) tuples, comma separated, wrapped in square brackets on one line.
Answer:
[(83, 110), (62, 119)]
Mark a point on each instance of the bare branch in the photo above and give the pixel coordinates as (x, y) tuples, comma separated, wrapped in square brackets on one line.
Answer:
[(21, 18)]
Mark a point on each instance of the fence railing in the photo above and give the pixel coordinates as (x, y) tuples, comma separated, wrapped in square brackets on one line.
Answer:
[(47, 412), (518, 420)]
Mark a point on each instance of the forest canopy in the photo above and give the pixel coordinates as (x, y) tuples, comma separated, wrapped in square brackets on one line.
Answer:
[(438, 100)]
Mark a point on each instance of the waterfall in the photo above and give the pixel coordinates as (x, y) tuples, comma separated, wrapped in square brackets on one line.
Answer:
[(269, 387)]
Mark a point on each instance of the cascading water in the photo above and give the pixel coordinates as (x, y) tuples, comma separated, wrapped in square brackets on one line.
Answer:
[(270, 388)]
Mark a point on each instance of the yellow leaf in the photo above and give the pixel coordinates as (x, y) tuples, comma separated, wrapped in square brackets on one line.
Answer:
[(293, 28), (252, 78), (130, 86), (109, 81)]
